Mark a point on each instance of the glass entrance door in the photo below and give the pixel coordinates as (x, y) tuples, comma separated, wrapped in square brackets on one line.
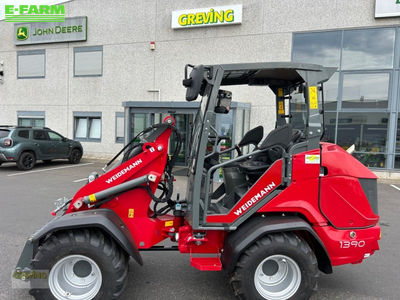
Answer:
[(140, 121), (183, 124)]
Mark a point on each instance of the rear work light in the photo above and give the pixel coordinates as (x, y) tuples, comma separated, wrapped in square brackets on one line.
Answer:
[(7, 142)]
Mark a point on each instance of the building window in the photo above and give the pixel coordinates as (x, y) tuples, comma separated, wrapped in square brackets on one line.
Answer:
[(317, 47), (358, 95), (365, 90), (361, 49), (119, 127), (88, 61), (87, 126), (368, 132), (31, 64), (31, 118)]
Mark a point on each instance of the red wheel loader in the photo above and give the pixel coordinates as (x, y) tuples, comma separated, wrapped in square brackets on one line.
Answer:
[(288, 209)]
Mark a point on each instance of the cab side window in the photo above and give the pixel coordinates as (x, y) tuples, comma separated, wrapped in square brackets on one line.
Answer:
[(40, 135), (24, 134), (55, 136)]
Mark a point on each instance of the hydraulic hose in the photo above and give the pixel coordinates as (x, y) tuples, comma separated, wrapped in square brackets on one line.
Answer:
[(118, 189)]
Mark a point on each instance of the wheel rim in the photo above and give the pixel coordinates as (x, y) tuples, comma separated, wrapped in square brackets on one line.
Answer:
[(28, 161), (75, 277), (76, 155), (277, 277)]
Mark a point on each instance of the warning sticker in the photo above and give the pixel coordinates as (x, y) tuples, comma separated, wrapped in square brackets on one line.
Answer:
[(131, 213), (313, 159), (281, 108), (169, 223), (313, 97), (280, 92)]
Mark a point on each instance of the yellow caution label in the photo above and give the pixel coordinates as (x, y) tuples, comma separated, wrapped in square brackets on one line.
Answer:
[(313, 97), (92, 198), (281, 108), (313, 159), (169, 223), (280, 92), (131, 213)]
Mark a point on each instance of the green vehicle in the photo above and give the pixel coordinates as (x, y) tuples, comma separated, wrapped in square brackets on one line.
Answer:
[(26, 145)]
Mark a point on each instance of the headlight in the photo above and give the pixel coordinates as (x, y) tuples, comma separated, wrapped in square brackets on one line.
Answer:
[(93, 176)]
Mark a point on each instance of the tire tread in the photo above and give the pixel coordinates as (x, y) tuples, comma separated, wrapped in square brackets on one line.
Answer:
[(237, 277), (92, 239)]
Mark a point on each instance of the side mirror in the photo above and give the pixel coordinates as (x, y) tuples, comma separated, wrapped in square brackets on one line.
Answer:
[(224, 102), (194, 84), (253, 136)]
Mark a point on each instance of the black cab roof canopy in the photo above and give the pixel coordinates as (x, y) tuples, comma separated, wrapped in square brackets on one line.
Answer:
[(272, 74)]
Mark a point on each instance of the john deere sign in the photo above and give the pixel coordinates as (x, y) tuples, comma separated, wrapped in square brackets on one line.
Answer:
[(22, 33), (72, 30)]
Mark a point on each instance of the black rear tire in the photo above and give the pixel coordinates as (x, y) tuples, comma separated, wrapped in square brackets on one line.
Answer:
[(75, 156), (281, 245), (93, 244), (26, 161)]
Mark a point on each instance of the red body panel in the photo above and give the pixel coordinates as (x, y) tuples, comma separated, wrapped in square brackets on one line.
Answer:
[(302, 194), (341, 163), (268, 182), (297, 199), (133, 207), (342, 249), (206, 263), (344, 203), (343, 200)]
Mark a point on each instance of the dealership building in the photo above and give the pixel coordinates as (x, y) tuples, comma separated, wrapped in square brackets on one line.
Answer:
[(113, 68)]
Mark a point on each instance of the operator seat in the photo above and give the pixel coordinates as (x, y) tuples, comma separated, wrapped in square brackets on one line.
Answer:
[(282, 136)]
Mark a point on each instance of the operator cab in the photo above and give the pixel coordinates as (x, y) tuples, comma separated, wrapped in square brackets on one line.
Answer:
[(295, 86)]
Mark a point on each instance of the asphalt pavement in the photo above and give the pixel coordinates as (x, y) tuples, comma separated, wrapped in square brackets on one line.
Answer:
[(26, 199)]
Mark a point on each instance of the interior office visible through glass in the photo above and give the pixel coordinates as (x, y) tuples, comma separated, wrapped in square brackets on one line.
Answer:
[(358, 96)]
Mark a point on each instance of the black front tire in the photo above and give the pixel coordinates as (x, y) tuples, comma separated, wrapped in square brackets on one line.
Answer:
[(110, 258), (75, 156), (26, 161), (283, 245)]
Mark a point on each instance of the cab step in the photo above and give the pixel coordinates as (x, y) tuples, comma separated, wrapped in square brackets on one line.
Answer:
[(206, 263)]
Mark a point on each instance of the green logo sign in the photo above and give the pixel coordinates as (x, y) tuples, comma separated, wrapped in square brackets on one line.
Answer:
[(22, 33), (35, 13)]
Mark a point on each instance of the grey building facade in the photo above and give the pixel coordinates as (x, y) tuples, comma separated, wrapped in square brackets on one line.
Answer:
[(132, 53)]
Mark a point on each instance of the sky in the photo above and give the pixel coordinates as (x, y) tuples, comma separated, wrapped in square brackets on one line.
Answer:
[(28, 2)]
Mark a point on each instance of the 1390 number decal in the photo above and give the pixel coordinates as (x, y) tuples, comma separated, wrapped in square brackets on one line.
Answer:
[(351, 244)]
